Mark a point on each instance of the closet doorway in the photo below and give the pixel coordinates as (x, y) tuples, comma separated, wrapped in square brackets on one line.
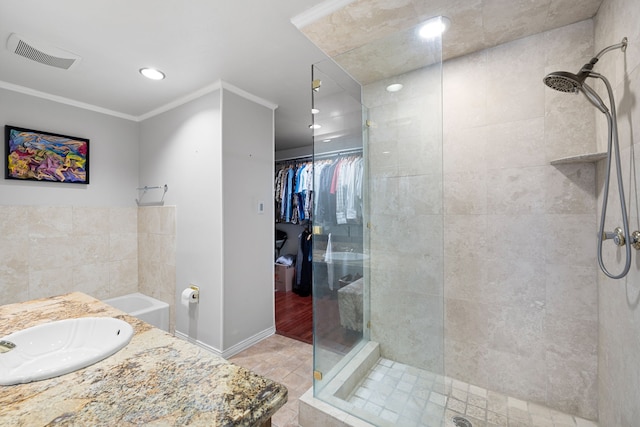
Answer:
[(316, 200), (293, 301), (293, 244)]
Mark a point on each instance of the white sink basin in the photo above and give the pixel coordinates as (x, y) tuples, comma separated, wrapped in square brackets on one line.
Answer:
[(60, 347)]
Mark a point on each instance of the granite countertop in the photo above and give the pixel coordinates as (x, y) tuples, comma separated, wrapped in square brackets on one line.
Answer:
[(156, 379)]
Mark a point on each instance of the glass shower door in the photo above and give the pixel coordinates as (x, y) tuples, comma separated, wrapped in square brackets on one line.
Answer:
[(340, 256), (389, 371)]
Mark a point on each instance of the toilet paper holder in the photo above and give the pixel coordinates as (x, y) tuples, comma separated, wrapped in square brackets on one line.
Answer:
[(190, 296), (196, 295)]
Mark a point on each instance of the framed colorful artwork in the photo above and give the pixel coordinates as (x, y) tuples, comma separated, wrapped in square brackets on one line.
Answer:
[(44, 156)]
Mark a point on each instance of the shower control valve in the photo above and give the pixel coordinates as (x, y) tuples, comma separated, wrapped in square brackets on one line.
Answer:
[(635, 240), (617, 235)]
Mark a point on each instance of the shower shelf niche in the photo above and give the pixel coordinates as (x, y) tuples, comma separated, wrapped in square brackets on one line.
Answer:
[(581, 158)]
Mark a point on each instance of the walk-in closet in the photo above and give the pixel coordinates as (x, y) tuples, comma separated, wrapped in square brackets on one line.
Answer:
[(318, 214)]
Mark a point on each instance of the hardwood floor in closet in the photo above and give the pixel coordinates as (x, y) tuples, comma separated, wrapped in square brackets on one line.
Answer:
[(294, 319), (294, 316)]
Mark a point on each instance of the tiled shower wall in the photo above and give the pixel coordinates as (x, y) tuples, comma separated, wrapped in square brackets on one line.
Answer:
[(520, 276), (48, 250), (406, 232), (520, 270), (619, 300)]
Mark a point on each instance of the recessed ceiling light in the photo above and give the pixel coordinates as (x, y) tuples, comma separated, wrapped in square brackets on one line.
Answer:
[(326, 140), (314, 126), (394, 87), (152, 73), (314, 111), (434, 27)]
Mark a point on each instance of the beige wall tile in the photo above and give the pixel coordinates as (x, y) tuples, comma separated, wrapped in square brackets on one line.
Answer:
[(49, 282), (570, 189), (122, 246), (516, 191), (577, 374), (90, 249), (123, 220), (568, 240), (14, 222), (619, 300), (396, 323), (571, 291), (523, 220), (123, 277), (466, 321), (517, 375), (516, 144), (50, 221), (48, 253), (90, 220), (466, 361), (464, 84), (514, 91), (14, 269), (92, 279), (465, 150), (465, 193), (67, 249)]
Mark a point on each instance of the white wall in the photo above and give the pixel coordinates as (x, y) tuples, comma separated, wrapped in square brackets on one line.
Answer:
[(248, 164), (113, 154), (183, 149), (215, 153)]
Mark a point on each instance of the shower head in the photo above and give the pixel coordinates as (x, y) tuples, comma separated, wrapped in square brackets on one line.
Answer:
[(564, 81)]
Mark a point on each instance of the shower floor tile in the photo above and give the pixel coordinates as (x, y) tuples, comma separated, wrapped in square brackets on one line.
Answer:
[(399, 395)]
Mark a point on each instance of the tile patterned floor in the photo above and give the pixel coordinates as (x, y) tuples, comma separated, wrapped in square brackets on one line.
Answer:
[(286, 361), (398, 394), (401, 395)]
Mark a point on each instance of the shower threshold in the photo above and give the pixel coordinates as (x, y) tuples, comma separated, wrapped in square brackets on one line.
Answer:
[(387, 393)]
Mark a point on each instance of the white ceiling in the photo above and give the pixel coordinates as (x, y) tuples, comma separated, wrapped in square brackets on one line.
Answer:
[(250, 44)]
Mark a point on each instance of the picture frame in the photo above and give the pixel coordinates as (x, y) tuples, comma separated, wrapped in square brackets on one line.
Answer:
[(34, 155)]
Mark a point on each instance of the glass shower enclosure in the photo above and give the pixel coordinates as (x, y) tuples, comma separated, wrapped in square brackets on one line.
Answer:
[(378, 231)]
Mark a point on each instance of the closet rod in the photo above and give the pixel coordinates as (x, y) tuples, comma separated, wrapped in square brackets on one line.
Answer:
[(288, 159), (322, 155), (339, 152)]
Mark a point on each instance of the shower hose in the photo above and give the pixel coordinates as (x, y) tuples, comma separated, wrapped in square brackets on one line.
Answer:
[(613, 147)]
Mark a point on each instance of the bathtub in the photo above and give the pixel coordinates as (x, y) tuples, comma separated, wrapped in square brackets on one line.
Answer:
[(143, 307)]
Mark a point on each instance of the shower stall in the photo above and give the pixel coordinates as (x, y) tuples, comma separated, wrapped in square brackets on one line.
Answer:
[(390, 321), (466, 288)]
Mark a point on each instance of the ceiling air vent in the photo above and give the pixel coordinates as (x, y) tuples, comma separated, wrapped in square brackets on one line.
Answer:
[(42, 53)]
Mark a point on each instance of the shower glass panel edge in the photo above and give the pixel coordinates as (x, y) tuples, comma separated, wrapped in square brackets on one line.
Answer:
[(340, 255)]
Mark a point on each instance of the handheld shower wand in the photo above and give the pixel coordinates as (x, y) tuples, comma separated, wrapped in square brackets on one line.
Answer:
[(573, 83)]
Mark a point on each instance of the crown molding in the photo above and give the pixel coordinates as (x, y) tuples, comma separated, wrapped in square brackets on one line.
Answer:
[(249, 96), (180, 101), (62, 100), (170, 106)]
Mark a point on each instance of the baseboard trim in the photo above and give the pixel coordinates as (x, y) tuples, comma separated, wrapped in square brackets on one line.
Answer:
[(243, 345), (199, 343), (233, 350)]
